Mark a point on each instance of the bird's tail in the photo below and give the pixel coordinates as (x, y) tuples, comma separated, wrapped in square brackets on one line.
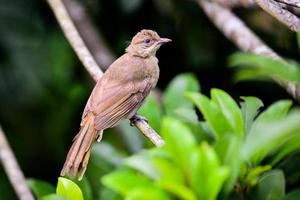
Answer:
[(79, 152)]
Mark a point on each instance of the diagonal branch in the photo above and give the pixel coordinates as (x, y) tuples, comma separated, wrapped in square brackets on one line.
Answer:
[(293, 3), (236, 31), (91, 37), (284, 16), (88, 61), (13, 170)]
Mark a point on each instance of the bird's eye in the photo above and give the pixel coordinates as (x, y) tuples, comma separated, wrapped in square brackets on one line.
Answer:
[(147, 41)]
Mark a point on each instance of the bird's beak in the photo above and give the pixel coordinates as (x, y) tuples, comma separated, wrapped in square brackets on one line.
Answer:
[(164, 40)]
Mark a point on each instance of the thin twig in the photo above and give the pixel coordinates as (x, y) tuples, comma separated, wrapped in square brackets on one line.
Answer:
[(89, 63), (284, 16), (13, 170), (235, 30)]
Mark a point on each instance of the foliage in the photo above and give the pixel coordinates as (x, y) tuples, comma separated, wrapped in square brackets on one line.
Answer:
[(253, 66), (235, 156), (43, 89)]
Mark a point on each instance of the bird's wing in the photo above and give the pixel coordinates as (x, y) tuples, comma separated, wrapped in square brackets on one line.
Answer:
[(112, 101)]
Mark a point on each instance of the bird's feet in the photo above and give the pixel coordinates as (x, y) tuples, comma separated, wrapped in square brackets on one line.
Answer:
[(136, 118)]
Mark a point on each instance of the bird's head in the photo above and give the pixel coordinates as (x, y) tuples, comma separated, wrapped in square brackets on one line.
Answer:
[(145, 43)]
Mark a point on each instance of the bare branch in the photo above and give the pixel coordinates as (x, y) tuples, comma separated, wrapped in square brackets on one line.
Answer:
[(235, 30), (293, 3), (236, 3), (149, 133), (91, 37), (74, 38), (282, 15), (88, 61), (13, 170)]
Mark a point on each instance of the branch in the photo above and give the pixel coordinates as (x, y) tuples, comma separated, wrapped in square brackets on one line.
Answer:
[(91, 37), (236, 31), (74, 38), (293, 3), (236, 3), (284, 16), (88, 61), (13, 170)]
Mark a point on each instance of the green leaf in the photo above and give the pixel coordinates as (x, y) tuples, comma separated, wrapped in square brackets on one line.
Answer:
[(85, 186), (151, 110), (169, 171), (124, 181), (292, 145), (228, 149), (267, 66), (53, 197), (150, 193), (40, 188), (173, 96), (180, 142), (179, 190), (295, 194), (275, 111), (250, 107), (250, 74), (212, 114), (207, 176), (143, 163), (68, 189), (267, 137), (230, 110), (271, 186), (254, 173), (105, 152), (108, 194)]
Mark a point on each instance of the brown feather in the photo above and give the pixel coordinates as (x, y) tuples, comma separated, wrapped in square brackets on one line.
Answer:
[(118, 94)]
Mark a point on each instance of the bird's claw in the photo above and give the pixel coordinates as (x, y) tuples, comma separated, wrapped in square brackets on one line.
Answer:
[(136, 118)]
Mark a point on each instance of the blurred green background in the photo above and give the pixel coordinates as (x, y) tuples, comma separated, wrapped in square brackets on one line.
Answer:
[(44, 87)]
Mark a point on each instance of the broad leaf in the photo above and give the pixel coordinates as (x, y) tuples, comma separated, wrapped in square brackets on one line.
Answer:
[(271, 186), (68, 189), (85, 187), (125, 181), (212, 114), (169, 171), (267, 137), (292, 145), (254, 173), (250, 107), (147, 193), (276, 111), (267, 66), (151, 111), (40, 188), (230, 110), (174, 95), (294, 195), (207, 175), (179, 190), (180, 142), (228, 149), (143, 163)]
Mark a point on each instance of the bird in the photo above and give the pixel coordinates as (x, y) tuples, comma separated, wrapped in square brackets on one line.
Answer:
[(117, 95)]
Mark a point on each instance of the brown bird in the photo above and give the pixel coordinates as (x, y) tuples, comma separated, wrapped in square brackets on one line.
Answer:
[(118, 94)]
